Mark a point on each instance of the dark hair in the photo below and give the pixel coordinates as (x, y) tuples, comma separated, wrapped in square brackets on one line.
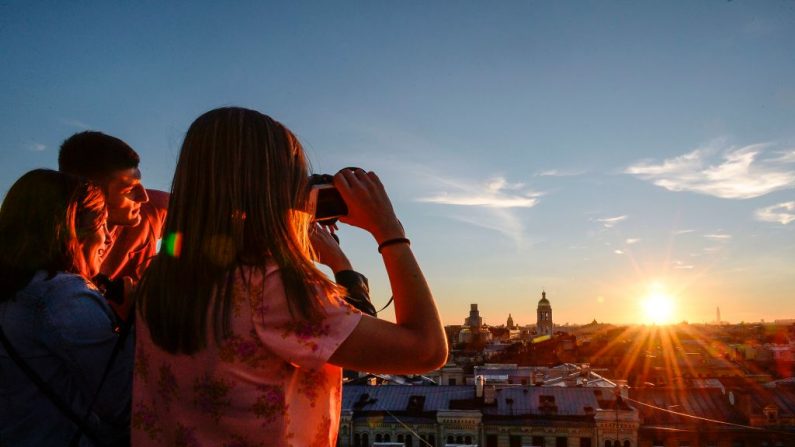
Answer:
[(94, 155), (42, 219), (240, 179)]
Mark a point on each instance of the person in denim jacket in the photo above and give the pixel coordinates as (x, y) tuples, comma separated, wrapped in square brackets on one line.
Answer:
[(54, 235)]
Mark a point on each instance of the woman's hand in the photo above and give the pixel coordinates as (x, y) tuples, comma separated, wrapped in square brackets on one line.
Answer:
[(328, 249), (416, 342), (369, 206)]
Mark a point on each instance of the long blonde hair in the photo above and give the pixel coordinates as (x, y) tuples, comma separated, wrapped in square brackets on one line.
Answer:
[(236, 200)]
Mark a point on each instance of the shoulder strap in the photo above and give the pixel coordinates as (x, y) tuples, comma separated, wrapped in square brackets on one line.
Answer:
[(47, 390), (124, 331)]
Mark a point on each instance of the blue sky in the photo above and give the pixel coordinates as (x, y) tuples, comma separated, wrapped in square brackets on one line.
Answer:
[(603, 151)]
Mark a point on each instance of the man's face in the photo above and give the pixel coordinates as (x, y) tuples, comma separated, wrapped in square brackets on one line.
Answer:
[(125, 194)]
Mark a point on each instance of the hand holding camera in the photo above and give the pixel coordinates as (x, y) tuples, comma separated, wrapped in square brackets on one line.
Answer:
[(368, 204)]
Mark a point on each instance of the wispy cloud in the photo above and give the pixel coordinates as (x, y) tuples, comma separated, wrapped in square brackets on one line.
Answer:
[(718, 236), (729, 173), (760, 27), (683, 266), (784, 157), (493, 202), (610, 222), (782, 213), (559, 173), (679, 232), (504, 223), (36, 147), (618, 252), (76, 123), (632, 240), (495, 193)]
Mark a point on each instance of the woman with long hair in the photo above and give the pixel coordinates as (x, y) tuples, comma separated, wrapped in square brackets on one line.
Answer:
[(56, 326), (241, 339)]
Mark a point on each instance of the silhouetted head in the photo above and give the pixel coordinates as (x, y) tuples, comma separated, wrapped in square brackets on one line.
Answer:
[(113, 165), (50, 221), (237, 197)]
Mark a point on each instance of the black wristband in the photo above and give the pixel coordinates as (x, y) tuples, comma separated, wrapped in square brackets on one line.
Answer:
[(388, 242)]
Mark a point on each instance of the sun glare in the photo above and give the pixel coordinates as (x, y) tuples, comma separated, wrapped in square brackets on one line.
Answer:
[(658, 308)]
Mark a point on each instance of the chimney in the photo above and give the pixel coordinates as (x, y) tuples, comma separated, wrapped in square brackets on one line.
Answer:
[(623, 389), (479, 382), (489, 394)]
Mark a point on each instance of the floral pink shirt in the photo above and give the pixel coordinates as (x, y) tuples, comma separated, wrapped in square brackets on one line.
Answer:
[(266, 385)]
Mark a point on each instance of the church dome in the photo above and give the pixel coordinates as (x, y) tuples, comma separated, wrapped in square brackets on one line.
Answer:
[(544, 301)]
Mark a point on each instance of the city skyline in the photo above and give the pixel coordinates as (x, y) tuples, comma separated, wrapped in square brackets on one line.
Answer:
[(635, 161)]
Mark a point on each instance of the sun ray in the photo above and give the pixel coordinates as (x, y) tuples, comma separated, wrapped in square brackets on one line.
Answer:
[(627, 365)]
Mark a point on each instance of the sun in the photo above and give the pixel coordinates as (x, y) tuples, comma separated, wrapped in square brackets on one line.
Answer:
[(658, 307)]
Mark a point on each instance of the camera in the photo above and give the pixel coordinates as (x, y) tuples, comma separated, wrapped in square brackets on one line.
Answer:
[(325, 200)]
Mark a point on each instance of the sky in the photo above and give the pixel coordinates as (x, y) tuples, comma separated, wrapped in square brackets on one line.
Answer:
[(635, 160)]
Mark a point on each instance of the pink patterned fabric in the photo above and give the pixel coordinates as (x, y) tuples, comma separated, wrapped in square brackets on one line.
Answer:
[(266, 385)]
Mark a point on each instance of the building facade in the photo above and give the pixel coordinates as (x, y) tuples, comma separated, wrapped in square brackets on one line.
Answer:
[(484, 416)]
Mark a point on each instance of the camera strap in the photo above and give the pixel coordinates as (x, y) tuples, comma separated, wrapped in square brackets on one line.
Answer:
[(391, 298), (45, 388), (123, 330), (67, 410)]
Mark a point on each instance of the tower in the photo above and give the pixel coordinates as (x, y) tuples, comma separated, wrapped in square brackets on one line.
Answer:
[(544, 313), (509, 324), (473, 320)]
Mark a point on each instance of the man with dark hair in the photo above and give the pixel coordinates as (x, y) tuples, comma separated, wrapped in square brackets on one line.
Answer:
[(136, 216)]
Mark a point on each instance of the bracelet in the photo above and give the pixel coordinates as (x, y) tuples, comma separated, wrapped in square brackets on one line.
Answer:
[(388, 242)]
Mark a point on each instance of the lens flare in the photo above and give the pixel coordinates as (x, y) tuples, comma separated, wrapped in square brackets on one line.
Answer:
[(172, 244)]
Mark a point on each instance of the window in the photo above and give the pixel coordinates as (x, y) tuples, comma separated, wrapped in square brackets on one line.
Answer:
[(627, 444), (459, 439), (450, 440), (365, 440), (400, 438), (585, 442), (357, 440), (379, 438), (416, 404), (491, 440), (514, 441), (468, 440), (451, 381), (387, 438), (409, 441), (538, 441)]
